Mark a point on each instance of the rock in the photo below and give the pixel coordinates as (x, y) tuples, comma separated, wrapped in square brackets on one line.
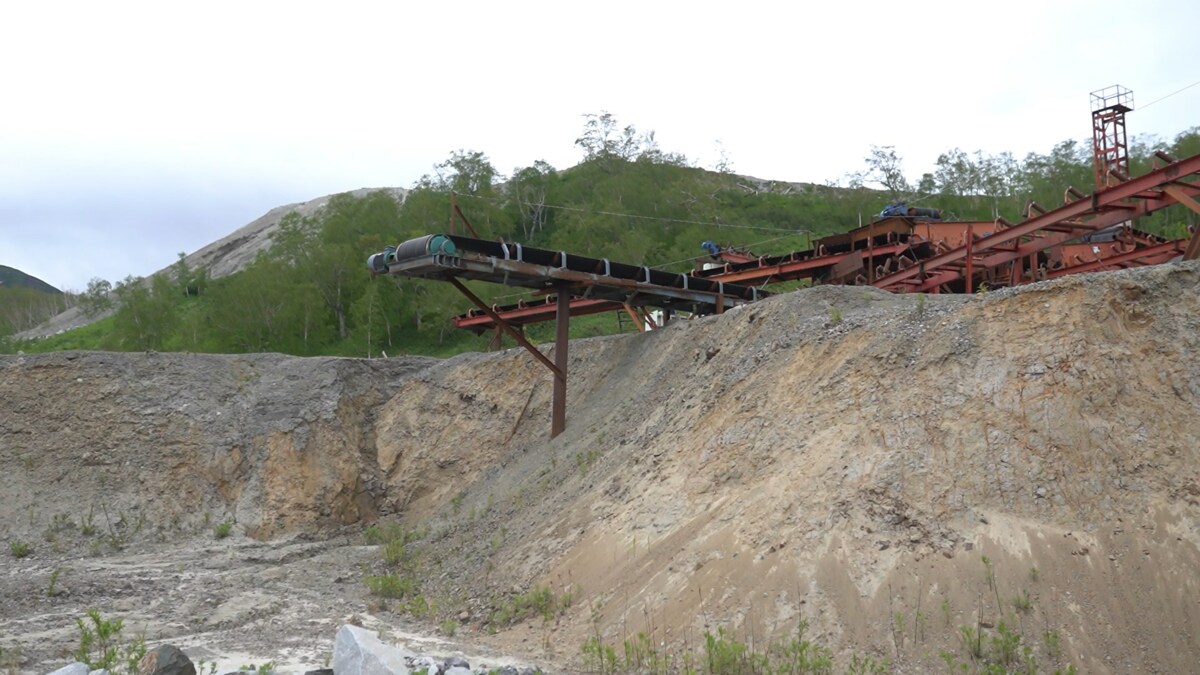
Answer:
[(319, 671), (76, 668), (456, 662), (99, 671), (458, 670), (357, 651), (166, 660), (464, 616), (427, 665), (1040, 492)]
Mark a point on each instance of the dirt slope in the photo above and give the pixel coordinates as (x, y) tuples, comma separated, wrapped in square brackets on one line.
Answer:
[(837, 455)]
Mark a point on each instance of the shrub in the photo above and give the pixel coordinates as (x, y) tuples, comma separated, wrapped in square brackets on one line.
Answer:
[(19, 549)]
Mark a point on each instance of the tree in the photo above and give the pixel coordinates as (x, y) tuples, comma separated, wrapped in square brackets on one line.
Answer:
[(529, 189), (97, 299), (884, 168)]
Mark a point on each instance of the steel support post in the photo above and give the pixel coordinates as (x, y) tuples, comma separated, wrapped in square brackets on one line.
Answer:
[(558, 414)]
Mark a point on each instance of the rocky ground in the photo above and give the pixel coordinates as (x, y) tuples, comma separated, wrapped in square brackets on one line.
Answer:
[(887, 470)]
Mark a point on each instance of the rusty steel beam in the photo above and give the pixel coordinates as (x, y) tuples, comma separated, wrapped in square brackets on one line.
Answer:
[(1099, 203), (524, 314), (1149, 255), (1193, 247), (512, 332), (558, 407)]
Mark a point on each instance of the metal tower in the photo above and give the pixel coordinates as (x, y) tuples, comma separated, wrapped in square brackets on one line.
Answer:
[(1109, 145)]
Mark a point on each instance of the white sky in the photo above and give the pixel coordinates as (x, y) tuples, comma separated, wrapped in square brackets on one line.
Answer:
[(132, 131)]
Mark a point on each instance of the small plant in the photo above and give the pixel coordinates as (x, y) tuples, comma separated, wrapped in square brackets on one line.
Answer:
[(391, 586), (1004, 644), (1053, 643), (10, 659), (223, 529), (585, 460), (87, 524), (52, 589), (1023, 602), (1034, 575), (20, 549), (920, 303), (448, 627), (835, 315), (946, 610), (866, 665), (100, 645), (953, 665), (972, 639)]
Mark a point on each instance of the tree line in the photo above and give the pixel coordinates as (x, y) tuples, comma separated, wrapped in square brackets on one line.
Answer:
[(628, 199)]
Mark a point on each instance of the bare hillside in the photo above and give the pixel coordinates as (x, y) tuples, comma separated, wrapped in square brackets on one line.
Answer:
[(890, 469)]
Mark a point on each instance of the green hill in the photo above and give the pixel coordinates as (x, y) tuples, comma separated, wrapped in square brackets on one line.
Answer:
[(14, 278), (309, 293)]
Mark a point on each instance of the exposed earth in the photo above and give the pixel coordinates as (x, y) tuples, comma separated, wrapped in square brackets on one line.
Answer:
[(889, 469)]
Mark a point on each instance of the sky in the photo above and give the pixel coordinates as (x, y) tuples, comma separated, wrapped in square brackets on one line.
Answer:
[(133, 131)]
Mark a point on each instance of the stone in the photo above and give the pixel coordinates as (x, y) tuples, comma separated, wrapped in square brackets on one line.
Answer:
[(76, 668), (99, 671), (458, 670), (426, 665), (456, 662), (166, 660), (319, 671), (358, 651)]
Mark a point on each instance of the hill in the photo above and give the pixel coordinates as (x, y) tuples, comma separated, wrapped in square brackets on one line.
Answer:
[(971, 475), (15, 278)]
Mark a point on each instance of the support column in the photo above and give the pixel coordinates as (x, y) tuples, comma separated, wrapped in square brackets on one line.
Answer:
[(562, 320)]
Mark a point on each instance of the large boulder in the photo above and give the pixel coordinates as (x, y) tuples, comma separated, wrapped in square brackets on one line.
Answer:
[(358, 651), (166, 660)]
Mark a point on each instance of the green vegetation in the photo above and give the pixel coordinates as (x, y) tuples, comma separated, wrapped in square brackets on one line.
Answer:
[(628, 200), (541, 601), (101, 646), (223, 529), (20, 549)]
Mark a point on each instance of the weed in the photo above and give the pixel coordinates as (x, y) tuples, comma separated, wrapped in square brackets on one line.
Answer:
[(100, 645), (1004, 644), (585, 460), (946, 610), (448, 627), (19, 549), (953, 665), (866, 665), (1034, 575), (972, 639), (391, 586), (10, 659), (223, 529), (835, 315), (541, 601), (386, 533), (87, 524), (920, 303), (1023, 602), (456, 502), (52, 590), (1053, 643)]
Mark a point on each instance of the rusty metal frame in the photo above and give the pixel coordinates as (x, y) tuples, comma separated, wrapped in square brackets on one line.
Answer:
[(1108, 207)]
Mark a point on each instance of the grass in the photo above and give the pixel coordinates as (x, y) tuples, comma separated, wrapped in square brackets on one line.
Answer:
[(20, 549), (540, 601), (223, 529)]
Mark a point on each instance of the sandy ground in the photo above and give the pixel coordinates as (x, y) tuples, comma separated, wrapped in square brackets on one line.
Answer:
[(885, 469)]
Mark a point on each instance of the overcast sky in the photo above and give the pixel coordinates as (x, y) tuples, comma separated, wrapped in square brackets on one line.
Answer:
[(132, 131)]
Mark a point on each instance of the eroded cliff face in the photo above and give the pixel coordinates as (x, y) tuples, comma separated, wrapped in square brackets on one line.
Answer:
[(837, 455), (274, 442)]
